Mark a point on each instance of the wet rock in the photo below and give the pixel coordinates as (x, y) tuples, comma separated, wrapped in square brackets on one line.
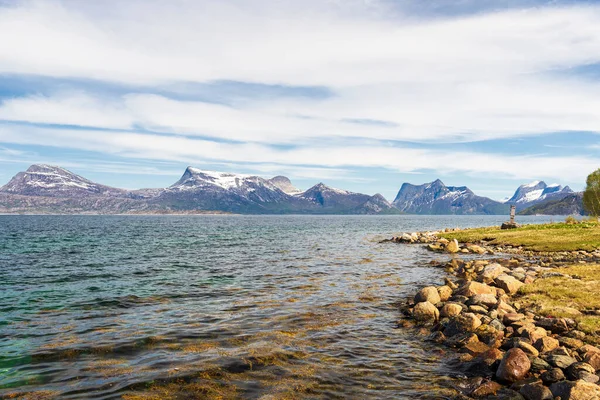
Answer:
[(486, 389), (536, 391), (546, 344), (467, 322), (425, 312), (429, 293), (475, 348), (579, 390), (514, 366), (461, 340), (560, 361), (445, 292), (436, 337), (451, 310), (472, 288), (510, 284), (552, 376), (578, 370)]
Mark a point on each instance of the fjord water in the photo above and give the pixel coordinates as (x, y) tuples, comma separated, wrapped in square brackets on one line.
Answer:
[(215, 306)]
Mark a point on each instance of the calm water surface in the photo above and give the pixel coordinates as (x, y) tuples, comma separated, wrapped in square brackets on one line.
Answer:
[(249, 307)]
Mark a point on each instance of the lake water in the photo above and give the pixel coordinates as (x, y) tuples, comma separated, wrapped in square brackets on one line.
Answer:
[(249, 307)]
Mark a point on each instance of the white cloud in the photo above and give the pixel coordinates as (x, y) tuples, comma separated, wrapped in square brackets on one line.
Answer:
[(405, 160), (447, 79)]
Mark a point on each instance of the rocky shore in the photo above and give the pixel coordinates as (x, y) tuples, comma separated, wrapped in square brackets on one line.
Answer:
[(504, 350)]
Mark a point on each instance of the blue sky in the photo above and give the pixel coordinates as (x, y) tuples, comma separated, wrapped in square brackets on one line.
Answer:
[(360, 94)]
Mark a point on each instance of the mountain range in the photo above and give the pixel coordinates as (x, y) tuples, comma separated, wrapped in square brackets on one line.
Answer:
[(51, 189)]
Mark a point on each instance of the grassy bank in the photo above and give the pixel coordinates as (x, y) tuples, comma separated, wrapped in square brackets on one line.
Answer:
[(547, 237), (575, 294)]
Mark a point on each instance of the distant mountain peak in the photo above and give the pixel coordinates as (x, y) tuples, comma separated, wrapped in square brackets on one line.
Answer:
[(437, 198), (53, 181), (535, 192)]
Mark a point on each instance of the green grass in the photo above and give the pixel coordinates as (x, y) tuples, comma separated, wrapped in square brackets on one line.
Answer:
[(557, 296), (547, 237)]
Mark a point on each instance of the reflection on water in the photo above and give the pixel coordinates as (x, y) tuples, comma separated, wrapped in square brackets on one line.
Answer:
[(214, 307)]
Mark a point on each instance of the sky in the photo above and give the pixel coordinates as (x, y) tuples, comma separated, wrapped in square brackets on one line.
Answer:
[(359, 94)]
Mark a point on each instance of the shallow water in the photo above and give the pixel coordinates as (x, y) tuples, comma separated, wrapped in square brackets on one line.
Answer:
[(245, 307)]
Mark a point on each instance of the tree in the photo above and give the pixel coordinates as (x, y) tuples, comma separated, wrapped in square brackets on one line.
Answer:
[(591, 195)]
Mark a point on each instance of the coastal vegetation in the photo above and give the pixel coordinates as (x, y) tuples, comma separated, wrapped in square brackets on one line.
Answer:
[(573, 293), (548, 237), (591, 195)]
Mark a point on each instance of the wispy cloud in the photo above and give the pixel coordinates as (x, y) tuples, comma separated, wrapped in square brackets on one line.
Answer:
[(313, 87)]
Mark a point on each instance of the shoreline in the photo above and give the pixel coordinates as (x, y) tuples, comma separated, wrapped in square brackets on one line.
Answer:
[(505, 349)]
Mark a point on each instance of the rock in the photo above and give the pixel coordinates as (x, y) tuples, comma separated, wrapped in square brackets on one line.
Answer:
[(546, 344), (579, 390), (509, 225), (570, 343), (505, 308), (575, 370), (476, 347), (467, 322), (487, 300), (490, 357), (514, 366), (478, 310), (593, 359), (451, 310), (512, 318), (453, 247), (489, 335), (472, 288), (476, 249), (528, 349), (429, 293), (552, 376), (558, 326), (425, 311), (588, 348), (534, 333), (486, 389), (560, 361), (445, 292), (538, 365), (461, 340), (508, 283), (536, 391)]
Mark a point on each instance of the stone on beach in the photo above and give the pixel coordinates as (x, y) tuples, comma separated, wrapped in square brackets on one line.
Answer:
[(579, 390), (425, 311), (509, 283), (453, 247), (472, 288), (429, 293), (514, 366)]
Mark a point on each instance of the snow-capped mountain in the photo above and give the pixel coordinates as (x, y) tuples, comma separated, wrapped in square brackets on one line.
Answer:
[(536, 192), (285, 185), (53, 181), (437, 198)]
